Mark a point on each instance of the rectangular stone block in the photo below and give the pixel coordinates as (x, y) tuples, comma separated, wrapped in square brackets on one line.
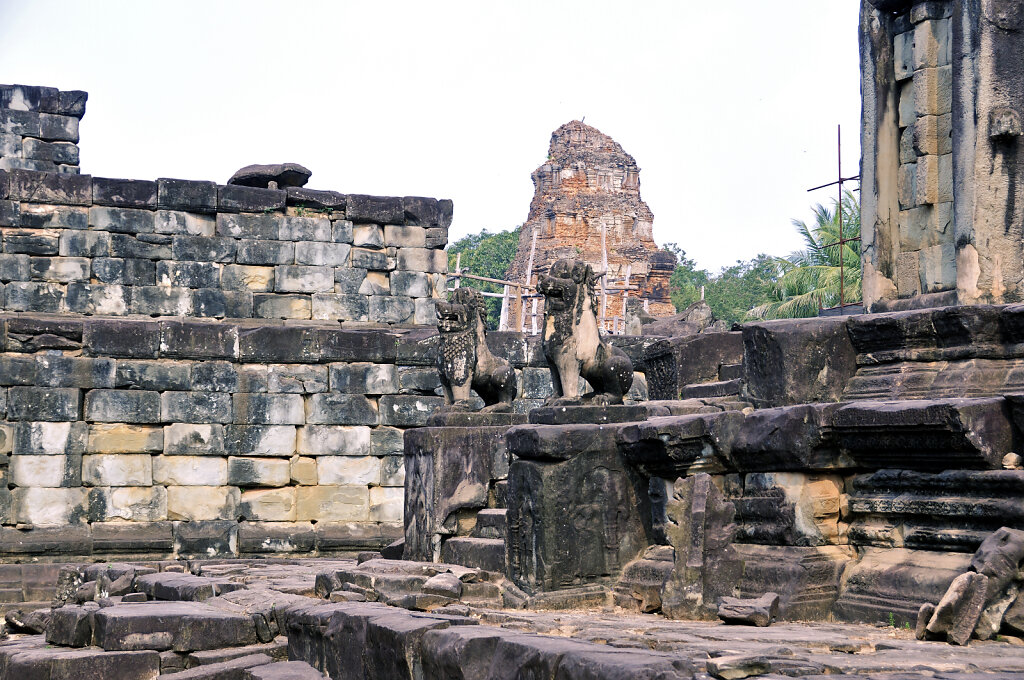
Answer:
[(203, 248), (375, 283), (31, 242), (392, 309), (348, 280), (18, 370), (275, 537), (185, 439), (244, 277), (34, 297), (278, 306), (937, 268), (205, 538), (127, 193), (302, 470), (43, 216), (69, 371), (341, 231), (260, 440), (131, 271), (46, 471), (269, 409), (46, 187), (121, 469), (405, 237), (422, 260), (365, 378), (59, 269), (385, 441), (14, 267), (121, 438), (22, 123), (43, 507), (49, 438), (332, 503), (198, 340), (246, 472), (933, 91), (348, 470), (122, 406), (84, 244), (321, 253), (411, 284), (121, 220), (133, 504), (392, 471), (313, 199), (907, 115), (279, 344), (303, 279), (386, 504), (421, 379), (153, 375), (334, 440), (335, 306), (364, 258), (907, 275), (296, 378), (338, 344), (191, 196), (153, 247), (340, 409), (234, 198), (43, 403), (188, 274), (379, 209), (406, 410), (304, 229), (264, 252), (195, 407), (268, 505), (178, 222), (10, 213), (190, 471), (161, 301), (195, 503), (215, 376), (926, 183), (54, 127), (122, 338), (368, 236)]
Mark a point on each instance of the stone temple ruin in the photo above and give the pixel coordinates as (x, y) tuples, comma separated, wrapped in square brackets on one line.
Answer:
[(246, 436)]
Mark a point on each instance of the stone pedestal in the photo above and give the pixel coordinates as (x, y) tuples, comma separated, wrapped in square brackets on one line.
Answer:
[(577, 513), (451, 473)]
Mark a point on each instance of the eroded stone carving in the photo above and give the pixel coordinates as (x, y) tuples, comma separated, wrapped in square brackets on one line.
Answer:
[(464, 360), (572, 341)]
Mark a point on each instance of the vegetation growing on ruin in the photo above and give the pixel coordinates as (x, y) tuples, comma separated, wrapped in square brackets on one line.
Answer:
[(486, 254)]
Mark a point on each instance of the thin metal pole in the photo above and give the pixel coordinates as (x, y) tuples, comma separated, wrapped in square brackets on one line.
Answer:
[(839, 211)]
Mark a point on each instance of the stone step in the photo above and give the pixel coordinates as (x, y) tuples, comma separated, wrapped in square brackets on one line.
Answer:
[(721, 388), (481, 553), (730, 371), (491, 523)]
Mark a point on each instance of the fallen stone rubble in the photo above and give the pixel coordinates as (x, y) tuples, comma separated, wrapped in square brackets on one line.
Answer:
[(391, 619)]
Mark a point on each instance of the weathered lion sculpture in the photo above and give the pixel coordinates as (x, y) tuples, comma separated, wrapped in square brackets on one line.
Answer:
[(464, 360), (572, 339)]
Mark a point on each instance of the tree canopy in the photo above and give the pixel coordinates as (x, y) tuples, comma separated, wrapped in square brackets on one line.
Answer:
[(486, 254)]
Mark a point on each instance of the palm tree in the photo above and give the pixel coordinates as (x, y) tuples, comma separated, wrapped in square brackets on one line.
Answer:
[(809, 279)]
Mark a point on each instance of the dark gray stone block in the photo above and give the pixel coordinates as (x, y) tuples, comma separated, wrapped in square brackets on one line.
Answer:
[(132, 271), (129, 246), (122, 338), (153, 375), (245, 226), (30, 242), (181, 626), (206, 538), (233, 198), (126, 193), (316, 200), (180, 194), (377, 209), (196, 340), (122, 406), (280, 344), (203, 248), (215, 376), (265, 252), (42, 403), (45, 187), (196, 407), (72, 103)]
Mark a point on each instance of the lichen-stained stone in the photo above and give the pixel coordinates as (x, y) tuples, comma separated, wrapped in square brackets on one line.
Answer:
[(129, 503), (51, 404), (122, 406), (422, 260), (405, 236), (671, 446), (364, 378), (276, 537), (181, 626), (340, 409), (206, 538), (45, 471), (49, 506), (787, 438), (124, 220), (48, 438), (133, 193), (375, 283), (178, 222), (190, 470), (332, 503), (386, 503), (268, 505), (196, 407), (348, 470), (296, 378), (958, 611), (392, 471), (260, 440), (340, 307), (247, 277), (90, 662), (263, 252), (258, 471), (202, 502), (303, 279), (406, 410), (122, 438), (268, 409), (304, 229), (192, 439), (334, 440), (59, 269), (368, 236), (362, 208), (318, 253), (215, 376), (120, 469)]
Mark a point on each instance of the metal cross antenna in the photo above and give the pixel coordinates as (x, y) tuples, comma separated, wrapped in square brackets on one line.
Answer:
[(843, 240)]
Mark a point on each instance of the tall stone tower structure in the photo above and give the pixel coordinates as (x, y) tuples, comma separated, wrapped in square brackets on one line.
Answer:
[(942, 190), (587, 205)]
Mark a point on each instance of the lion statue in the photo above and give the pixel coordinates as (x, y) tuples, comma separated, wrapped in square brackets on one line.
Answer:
[(464, 360), (572, 339)]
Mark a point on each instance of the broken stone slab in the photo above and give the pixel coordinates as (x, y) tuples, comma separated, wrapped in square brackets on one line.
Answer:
[(225, 670), (738, 666), (284, 670), (30, 660), (273, 176), (71, 626), (788, 508), (925, 434), (183, 587), (958, 611), (180, 626), (991, 619), (807, 579), (998, 558), (639, 587), (269, 609), (34, 621), (787, 438), (759, 611), (675, 446), (701, 530)]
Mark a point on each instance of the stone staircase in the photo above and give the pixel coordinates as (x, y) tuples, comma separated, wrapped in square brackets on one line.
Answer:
[(484, 548)]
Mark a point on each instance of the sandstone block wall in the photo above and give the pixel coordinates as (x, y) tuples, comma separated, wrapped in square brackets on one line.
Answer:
[(39, 128), (76, 244)]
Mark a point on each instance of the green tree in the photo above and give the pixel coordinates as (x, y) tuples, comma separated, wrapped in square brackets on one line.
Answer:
[(486, 254), (810, 278), (686, 281), (730, 293)]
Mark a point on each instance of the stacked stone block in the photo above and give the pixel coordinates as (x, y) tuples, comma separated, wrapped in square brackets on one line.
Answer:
[(924, 76), (39, 128), (84, 245)]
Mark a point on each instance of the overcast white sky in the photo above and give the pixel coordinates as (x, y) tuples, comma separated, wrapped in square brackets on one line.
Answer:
[(730, 108)]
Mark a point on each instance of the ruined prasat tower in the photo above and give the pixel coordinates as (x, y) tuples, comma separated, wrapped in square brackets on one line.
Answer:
[(241, 439), (587, 205)]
